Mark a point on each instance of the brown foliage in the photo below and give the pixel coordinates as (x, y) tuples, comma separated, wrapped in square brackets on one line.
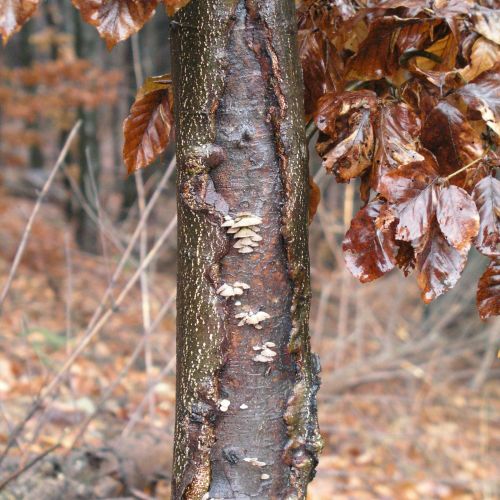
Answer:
[(488, 290), (13, 14), (147, 128), (406, 97), (116, 20), (412, 107)]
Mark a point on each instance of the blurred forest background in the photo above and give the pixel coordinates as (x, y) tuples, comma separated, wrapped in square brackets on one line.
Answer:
[(409, 405)]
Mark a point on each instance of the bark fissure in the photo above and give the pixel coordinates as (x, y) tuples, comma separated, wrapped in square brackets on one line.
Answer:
[(246, 425)]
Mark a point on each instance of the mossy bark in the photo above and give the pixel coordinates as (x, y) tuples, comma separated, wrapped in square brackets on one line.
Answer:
[(241, 148)]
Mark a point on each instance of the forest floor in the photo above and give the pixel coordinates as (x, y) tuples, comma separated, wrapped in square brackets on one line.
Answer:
[(408, 413)]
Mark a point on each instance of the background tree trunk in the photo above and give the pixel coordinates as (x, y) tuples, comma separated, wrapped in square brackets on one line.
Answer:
[(241, 148), (87, 232)]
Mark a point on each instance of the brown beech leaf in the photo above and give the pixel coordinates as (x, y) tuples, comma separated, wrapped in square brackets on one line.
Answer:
[(13, 14), (148, 126), (347, 119), (369, 251), (116, 20), (482, 98), (487, 22), (353, 155), (405, 259), (321, 66), (439, 264), (486, 194), (421, 95), (333, 106), (452, 140), (488, 290), (173, 6), (377, 55), (484, 55), (438, 64), (412, 191), (397, 130), (457, 216)]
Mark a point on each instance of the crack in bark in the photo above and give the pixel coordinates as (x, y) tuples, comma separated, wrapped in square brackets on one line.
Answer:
[(204, 317), (305, 443)]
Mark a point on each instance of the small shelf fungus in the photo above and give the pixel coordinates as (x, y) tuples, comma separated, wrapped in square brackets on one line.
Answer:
[(266, 354), (223, 405), (244, 228), (255, 461), (250, 318), (236, 288)]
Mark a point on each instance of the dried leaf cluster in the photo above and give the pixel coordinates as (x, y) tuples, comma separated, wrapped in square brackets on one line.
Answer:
[(406, 96), (115, 20)]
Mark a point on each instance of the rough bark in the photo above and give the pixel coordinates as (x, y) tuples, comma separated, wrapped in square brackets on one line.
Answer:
[(241, 148)]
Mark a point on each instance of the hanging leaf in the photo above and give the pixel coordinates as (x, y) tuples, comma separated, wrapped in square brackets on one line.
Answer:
[(397, 130), (412, 190), (347, 118), (484, 55), (173, 6), (13, 15), (482, 98), (333, 107), (116, 20), (369, 251), (457, 217), (148, 126), (421, 96), (439, 264), (377, 55), (486, 21), (321, 66), (488, 290), (486, 194), (452, 139), (405, 258)]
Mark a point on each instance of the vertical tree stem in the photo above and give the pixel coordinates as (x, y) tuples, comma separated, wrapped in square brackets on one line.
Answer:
[(241, 148)]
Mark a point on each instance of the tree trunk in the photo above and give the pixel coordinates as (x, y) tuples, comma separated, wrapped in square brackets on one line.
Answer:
[(241, 149), (87, 232)]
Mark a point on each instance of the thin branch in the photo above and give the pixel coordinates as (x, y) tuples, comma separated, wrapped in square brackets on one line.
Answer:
[(28, 466), (36, 208), (477, 160)]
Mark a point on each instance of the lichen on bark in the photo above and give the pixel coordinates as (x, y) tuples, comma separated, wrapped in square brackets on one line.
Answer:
[(241, 148)]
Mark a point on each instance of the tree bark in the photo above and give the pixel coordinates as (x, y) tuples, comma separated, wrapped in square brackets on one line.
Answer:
[(241, 149)]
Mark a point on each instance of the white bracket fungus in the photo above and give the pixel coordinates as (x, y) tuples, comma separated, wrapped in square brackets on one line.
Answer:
[(223, 404), (250, 318), (237, 288), (255, 461), (244, 228), (266, 354)]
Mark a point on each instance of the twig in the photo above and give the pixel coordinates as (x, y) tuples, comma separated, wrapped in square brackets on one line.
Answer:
[(133, 358), (91, 333), (126, 254), (145, 302), (460, 170), (36, 208), (28, 466), (104, 318), (138, 411)]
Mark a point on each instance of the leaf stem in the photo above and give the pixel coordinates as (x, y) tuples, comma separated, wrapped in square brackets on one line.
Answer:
[(460, 170)]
